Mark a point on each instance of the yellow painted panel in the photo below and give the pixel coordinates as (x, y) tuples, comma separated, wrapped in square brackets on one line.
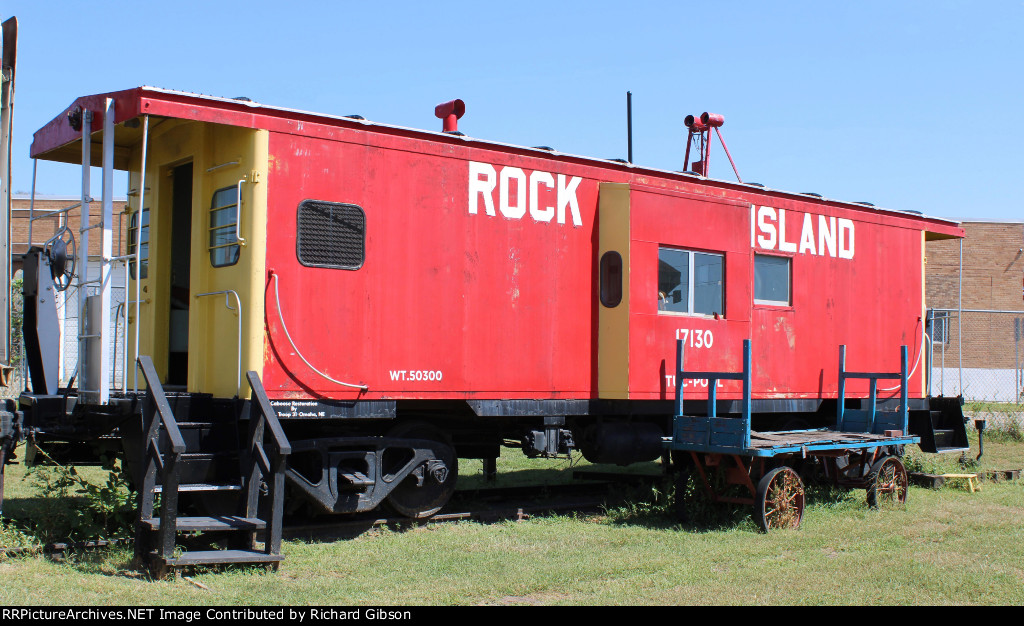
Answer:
[(613, 323), (221, 156), (230, 155)]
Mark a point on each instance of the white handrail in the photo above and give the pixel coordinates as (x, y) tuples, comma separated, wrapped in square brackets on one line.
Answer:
[(227, 303)]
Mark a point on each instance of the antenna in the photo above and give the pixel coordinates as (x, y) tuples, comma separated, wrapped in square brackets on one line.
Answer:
[(629, 126)]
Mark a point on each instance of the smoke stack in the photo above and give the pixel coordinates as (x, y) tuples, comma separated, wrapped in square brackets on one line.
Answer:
[(450, 112)]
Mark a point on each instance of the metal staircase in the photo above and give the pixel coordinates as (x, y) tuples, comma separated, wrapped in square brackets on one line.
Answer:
[(942, 427), (177, 453)]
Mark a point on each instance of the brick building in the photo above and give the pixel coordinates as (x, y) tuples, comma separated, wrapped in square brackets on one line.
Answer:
[(993, 302), (43, 229)]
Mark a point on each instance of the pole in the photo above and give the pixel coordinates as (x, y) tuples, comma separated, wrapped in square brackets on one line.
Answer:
[(960, 321), (138, 248), (629, 125)]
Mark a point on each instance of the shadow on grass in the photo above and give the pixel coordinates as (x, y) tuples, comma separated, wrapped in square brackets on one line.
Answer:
[(657, 508)]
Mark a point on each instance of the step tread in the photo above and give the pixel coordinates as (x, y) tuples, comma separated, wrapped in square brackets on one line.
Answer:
[(220, 522), (947, 449), (212, 557), (201, 487), (196, 456)]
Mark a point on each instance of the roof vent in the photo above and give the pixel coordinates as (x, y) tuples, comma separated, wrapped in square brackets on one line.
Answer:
[(450, 112)]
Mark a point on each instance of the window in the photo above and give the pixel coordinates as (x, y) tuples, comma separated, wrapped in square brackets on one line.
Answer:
[(134, 235), (691, 282), (772, 280), (223, 227), (331, 234), (611, 279), (938, 327)]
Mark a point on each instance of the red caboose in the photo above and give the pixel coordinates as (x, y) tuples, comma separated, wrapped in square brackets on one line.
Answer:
[(408, 297)]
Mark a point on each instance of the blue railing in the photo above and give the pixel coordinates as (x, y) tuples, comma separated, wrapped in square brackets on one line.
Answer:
[(872, 420), (711, 431)]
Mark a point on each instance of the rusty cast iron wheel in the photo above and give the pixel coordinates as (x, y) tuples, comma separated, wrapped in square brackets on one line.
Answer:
[(415, 500), (888, 484), (780, 499)]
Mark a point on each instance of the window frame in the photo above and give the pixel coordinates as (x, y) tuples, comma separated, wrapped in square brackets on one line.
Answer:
[(227, 246), (691, 283), (138, 220), (611, 279), (788, 303), (940, 320)]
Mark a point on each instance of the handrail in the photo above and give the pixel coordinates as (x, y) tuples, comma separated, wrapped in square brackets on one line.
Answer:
[(227, 303), (156, 412), (55, 212), (238, 215), (259, 397), (262, 417), (873, 377), (163, 409)]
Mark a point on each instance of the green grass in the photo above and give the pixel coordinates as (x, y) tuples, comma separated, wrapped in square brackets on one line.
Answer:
[(993, 407), (945, 547)]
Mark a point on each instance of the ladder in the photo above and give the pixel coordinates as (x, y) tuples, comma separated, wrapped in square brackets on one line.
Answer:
[(261, 458)]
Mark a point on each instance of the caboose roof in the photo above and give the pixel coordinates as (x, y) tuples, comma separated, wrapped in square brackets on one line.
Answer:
[(58, 141)]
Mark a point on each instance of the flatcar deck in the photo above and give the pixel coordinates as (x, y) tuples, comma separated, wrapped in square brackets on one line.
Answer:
[(775, 443), (821, 439)]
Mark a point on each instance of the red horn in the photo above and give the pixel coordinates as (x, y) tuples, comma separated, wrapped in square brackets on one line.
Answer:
[(713, 120)]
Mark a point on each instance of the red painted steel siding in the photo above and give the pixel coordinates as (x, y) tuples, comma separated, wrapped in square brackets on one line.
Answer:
[(506, 308), (501, 307)]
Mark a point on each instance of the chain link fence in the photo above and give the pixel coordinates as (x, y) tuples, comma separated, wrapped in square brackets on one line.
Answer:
[(68, 311), (977, 354)]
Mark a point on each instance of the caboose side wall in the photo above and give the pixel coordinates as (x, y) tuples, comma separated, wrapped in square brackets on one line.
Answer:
[(507, 307), (872, 302), (447, 303)]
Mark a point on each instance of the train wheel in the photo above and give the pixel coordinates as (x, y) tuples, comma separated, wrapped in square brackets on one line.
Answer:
[(888, 484), (424, 492), (780, 499)]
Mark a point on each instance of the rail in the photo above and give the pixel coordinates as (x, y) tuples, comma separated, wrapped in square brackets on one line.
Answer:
[(260, 467), (867, 421), (227, 303), (156, 412), (238, 215), (702, 427)]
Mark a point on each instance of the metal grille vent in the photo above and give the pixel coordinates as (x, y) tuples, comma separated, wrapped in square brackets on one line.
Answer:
[(331, 234)]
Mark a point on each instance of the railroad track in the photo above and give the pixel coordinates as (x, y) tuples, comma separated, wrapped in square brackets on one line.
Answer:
[(513, 503)]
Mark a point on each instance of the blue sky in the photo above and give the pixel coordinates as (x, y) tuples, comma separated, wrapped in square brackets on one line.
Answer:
[(909, 105)]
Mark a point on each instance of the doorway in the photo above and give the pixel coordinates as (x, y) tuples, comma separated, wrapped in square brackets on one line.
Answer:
[(181, 267)]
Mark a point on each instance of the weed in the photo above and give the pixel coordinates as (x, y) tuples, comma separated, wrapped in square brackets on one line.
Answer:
[(1008, 430), (13, 538), (75, 509)]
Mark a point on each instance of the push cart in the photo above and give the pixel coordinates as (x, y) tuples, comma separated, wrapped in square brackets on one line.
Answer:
[(861, 451)]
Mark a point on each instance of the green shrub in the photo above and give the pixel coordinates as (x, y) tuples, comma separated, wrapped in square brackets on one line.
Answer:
[(75, 509)]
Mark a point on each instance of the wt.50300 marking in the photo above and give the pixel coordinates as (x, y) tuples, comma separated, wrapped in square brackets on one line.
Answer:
[(416, 375)]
